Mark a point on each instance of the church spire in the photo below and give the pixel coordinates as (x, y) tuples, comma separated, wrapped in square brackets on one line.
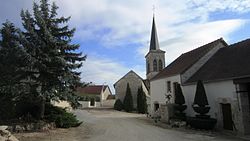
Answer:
[(154, 44)]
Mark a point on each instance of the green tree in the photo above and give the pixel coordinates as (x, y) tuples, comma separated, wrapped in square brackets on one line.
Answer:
[(141, 101), (118, 105), (128, 100), (179, 98), (200, 95), (13, 62), (47, 39)]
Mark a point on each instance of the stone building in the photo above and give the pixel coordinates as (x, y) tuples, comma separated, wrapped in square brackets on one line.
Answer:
[(155, 58), (155, 62), (179, 71), (134, 81), (225, 71), (226, 77)]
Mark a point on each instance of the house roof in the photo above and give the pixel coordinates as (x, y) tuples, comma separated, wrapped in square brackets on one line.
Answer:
[(228, 63), (186, 60), (111, 97), (92, 89)]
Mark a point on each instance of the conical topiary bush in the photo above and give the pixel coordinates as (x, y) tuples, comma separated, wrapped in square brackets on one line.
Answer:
[(118, 105), (200, 104), (200, 95), (128, 100), (179, 101)]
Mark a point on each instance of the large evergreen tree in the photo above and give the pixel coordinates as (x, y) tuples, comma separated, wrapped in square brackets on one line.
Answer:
[(128, 100), (54, 58), (13, 62)]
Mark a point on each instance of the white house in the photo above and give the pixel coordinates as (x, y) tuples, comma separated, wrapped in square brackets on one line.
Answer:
[(226, 78), (96, 95), (225, 71), (179, 71)]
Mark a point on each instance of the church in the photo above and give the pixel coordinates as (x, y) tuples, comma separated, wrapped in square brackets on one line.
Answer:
[(155, 62), (223, 68)]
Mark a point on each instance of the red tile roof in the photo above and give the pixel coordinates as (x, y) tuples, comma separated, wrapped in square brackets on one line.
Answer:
[(228, 63), (92, 89), (111, 97), (186, 60)]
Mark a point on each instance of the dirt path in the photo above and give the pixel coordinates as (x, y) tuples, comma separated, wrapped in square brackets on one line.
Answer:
[(109, 125)]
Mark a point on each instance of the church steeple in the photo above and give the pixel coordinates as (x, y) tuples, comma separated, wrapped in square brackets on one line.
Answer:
[(154, 44), (155, 59)]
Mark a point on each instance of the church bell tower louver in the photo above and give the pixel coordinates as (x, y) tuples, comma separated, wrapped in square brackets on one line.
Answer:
[(155, 58)]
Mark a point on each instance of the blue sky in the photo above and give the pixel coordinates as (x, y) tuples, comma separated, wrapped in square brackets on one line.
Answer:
[(115, 33)]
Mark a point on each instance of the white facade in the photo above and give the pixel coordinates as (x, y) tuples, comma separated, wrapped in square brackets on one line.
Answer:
[(105, 93), (159, 90), (218, 93)]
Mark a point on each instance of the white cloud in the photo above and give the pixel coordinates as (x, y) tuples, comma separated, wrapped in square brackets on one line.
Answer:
[(182, 25)]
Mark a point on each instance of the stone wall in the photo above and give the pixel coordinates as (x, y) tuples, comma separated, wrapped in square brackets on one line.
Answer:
[(167, 111), (5, 135)]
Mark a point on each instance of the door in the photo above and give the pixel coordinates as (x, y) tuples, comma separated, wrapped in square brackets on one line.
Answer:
[(92, 102), (227, 116)]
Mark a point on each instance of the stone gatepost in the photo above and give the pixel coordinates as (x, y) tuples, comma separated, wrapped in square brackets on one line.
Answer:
[(166, 111)]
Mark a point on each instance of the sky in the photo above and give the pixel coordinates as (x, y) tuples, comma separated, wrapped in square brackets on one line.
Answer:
[(115, 34)]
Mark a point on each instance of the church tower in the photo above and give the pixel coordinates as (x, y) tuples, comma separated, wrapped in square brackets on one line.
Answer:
[(155, 58)]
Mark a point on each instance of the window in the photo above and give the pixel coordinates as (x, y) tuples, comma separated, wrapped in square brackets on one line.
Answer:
[(160, 65), (169, 86), (148, 68), (155, 65), (175, 86)]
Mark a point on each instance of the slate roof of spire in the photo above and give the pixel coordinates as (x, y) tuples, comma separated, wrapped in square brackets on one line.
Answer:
[(228, 63), (186, 60), (154, 43)]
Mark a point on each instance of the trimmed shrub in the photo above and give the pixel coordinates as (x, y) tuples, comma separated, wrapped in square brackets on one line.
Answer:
[(141, 101), (61, 117), (179, 101), (128, 100), (179, 98), (118, 105), (200, 95), (201, 123)]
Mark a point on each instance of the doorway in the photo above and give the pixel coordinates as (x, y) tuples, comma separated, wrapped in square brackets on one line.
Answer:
[(156, 106), (227, 116), (92, 102)]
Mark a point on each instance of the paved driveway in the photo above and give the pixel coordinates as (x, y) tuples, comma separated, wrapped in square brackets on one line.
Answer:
[(109, 125)]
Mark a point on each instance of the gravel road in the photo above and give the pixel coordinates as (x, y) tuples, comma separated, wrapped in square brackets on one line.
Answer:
[(109, 125)]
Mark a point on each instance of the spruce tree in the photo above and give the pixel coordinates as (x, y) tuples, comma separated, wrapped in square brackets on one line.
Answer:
[(47, 38), (13, 62), (128, 100), (13, 59)]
